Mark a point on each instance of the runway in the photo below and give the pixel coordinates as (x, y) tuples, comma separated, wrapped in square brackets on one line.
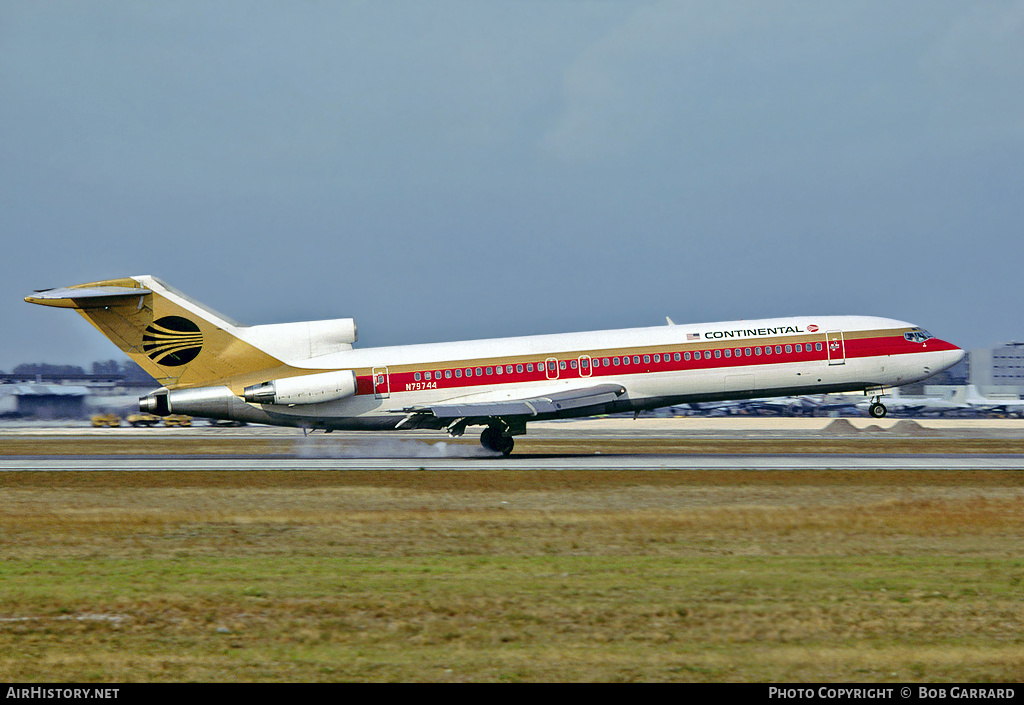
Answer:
[(601, 444), (560, 462)]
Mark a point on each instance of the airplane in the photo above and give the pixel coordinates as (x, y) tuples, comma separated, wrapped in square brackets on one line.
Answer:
[(805, 405), (975, 400), (921, 406), (308, 374)]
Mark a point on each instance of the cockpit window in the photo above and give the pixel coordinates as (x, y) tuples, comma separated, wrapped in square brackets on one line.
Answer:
[(918, 336)]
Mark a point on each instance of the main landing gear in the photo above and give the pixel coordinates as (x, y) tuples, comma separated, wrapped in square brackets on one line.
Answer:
[(496, 440)]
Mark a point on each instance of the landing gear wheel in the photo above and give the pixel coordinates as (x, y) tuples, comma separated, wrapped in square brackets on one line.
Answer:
[(494, 440), (877, 410)]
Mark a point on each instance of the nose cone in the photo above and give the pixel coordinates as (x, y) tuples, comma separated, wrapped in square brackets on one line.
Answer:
[(950, 356)]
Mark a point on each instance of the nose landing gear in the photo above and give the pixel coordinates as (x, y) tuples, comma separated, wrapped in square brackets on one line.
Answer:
[(877, 408)]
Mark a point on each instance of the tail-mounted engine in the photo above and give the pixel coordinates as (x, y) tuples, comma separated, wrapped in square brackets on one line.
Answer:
[(305, 389)]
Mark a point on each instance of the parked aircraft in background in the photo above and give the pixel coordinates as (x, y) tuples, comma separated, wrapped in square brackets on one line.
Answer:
[(803, 405), (976, 400), (309, 375), (920, 406), (808, 405)]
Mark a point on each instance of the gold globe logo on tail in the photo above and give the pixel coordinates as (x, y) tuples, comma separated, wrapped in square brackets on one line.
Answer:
[(172, 341)]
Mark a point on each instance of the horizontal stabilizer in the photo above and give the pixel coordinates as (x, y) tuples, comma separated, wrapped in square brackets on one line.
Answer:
[(85, 297)]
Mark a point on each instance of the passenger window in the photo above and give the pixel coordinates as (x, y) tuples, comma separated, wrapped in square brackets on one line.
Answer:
[(778, 349), (789, 349), (686, 355), (606, 362), (677, 356), (479, 371), (572, 364), (746, 351), (657, 358), (490, 371), (469, 371), (799, 347), (458, 372), (718, 353), (417, 377), (767, 349), (584, 363), (551, 365), (426, 376), (519, 369), (508, 369), (529, 367), (728, 352), (817, 346), (757, 351), (615, 361), (707, 354), (447, 374), (636, 359)]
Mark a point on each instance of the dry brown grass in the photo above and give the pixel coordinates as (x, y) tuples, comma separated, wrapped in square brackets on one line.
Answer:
[(253, 444), (525, 575)]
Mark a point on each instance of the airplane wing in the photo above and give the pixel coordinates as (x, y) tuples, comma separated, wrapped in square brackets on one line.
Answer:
[(574, 399)]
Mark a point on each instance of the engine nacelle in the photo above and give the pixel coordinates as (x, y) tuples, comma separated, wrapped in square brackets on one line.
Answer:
[(305, 389), (209, 402)]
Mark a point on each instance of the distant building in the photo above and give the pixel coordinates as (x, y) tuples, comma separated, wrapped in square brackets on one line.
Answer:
[(43, 401), (44, 391), (999, 369)]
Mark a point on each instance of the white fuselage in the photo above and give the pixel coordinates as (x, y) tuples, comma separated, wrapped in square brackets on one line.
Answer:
[(656, 366)]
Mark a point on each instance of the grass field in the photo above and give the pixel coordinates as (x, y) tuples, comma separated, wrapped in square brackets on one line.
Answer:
[(512, 576)]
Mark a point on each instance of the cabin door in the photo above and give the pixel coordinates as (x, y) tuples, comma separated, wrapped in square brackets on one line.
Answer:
[(381, 383), (836, 347)]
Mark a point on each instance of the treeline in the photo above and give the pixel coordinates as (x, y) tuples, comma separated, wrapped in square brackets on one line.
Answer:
[(128, 370)]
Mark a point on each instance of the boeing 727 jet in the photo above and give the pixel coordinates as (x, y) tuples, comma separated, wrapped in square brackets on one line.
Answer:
[(309, 375)]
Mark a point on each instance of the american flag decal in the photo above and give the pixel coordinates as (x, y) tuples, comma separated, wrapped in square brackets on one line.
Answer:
[(693, 336)]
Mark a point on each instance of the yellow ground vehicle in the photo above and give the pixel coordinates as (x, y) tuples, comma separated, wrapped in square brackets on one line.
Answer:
[(143, 419), (106, 421), (177, 420)]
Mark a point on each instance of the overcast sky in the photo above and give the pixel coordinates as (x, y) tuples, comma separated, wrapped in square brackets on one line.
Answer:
[(454, 170)]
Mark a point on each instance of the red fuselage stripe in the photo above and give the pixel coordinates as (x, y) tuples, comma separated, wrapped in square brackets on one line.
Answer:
[(444, 377)]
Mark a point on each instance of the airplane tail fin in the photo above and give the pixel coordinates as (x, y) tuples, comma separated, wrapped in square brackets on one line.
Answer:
[(973, 395), (179, 342)]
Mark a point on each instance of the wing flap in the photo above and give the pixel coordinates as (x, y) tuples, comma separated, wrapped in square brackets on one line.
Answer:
[(572, 399)]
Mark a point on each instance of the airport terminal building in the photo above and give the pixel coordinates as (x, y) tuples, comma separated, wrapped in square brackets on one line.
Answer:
[(998, 370)]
